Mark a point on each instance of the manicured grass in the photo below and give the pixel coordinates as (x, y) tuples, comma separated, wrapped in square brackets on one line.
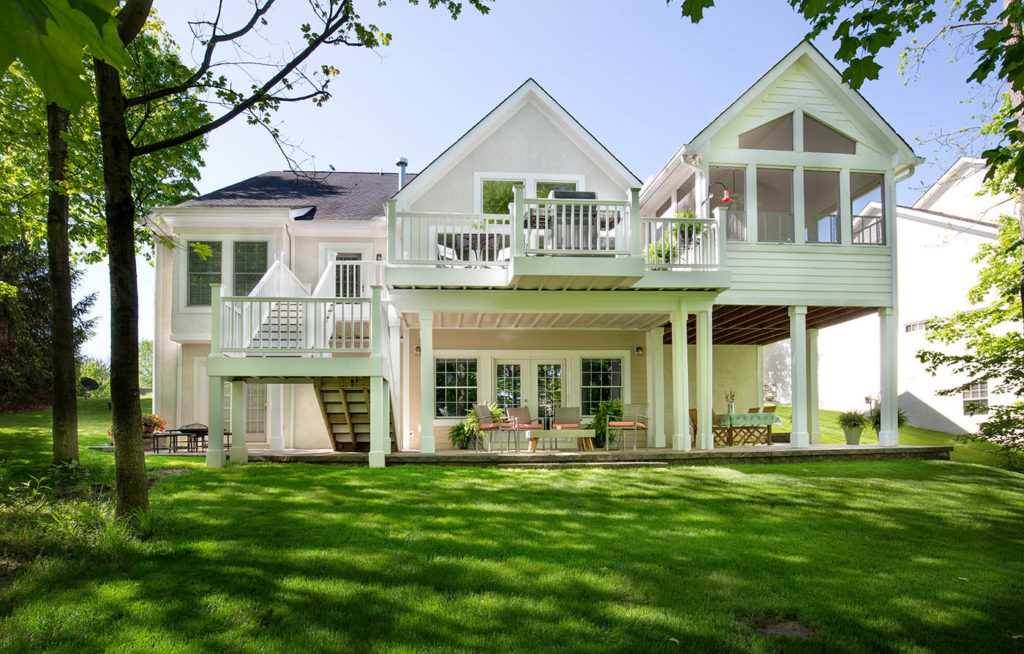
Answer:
[(968, 452), (893, 556)]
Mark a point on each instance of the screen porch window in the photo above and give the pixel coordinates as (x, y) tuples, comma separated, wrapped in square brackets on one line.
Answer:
[(202, 271), (868, 208), (821, 206), (773, 135), (774, 205), (250, 265), (976, 399), (455, 387), (819, 137), (601, 381), (733, 178)]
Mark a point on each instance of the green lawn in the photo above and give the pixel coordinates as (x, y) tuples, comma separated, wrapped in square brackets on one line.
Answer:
[(894, 556)]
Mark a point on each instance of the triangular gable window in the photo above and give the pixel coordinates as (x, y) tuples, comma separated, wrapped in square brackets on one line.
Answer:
[(819, 137), (776, 135)]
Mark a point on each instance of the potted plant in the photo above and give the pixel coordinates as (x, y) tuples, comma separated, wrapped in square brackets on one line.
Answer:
[(605, 410), (151, 423), (461, 435), (730, 400), (853, 423), (876, 419)]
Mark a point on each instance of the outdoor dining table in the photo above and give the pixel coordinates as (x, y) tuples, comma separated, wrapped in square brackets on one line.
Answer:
[(745, 428)]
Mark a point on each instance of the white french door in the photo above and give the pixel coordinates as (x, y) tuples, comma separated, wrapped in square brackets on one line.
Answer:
[(536, 383)]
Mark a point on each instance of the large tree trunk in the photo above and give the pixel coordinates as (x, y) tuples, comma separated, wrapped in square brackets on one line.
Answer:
[(129, 458), (1016, 98), (62, 329)]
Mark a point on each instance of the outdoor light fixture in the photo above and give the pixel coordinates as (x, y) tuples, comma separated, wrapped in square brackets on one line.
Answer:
[(417, 350), (639, 351), (726, 198)]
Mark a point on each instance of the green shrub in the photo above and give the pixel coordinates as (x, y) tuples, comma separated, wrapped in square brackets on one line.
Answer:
[(605, 410)]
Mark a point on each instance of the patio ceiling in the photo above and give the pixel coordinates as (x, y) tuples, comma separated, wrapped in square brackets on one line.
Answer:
[(762, 325), (520, 320)]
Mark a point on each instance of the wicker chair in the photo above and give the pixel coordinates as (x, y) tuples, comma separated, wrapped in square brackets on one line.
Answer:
[(519, 420), (634, 418)]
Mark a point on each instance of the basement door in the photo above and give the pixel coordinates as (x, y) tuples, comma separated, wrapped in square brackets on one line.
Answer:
[(536, 383)]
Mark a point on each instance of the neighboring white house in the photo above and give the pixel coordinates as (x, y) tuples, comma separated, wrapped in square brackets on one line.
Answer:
[(526, 266), (937, 237)]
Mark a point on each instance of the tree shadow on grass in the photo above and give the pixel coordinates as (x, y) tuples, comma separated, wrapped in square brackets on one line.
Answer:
[(284, 558)]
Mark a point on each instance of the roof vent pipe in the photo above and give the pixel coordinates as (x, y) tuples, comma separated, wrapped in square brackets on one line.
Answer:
[(402, 163)]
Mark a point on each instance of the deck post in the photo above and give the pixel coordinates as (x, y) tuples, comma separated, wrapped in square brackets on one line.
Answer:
[(215, 423), (518, 227), (680, 379), (275, 393), (636, 246), (427, 382), (813, 419), (889, 434), (239, 452), (705, 405), (798, 359), (656, 384), (377, 321), (392, 217), (378, 421)]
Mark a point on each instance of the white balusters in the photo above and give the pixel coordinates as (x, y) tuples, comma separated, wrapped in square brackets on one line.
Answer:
[(680, 243)]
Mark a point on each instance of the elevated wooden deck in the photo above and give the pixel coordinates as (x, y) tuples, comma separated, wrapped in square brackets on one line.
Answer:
[(720, 456)]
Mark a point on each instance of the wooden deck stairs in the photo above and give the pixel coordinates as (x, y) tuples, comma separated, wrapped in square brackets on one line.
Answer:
[(345, 404)]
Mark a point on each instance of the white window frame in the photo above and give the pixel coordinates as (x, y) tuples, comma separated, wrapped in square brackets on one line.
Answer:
[(227, 263), (433, 389), (529, 181), (571, 374)]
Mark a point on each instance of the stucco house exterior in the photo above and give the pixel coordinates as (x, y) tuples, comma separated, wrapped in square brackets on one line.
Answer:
[(527, 265), (937, 236)]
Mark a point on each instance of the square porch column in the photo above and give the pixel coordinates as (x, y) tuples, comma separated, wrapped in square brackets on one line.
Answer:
[(705, 403), (889, 433), (656, 384), (798, 360), (813, 419), (239, 452), (379, 422), (680, 380), (215, 423), (427, 382), (275, 416)]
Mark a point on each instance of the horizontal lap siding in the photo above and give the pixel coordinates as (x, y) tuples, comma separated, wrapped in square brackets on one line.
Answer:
[(858, 275)]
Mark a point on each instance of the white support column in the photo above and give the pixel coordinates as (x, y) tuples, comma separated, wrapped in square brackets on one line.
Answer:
[(656, 388), (239, 452), (799, 212), (705, 404), (680, 380), (215, 423), (798, 347), (427, 382), (813, 419), (889, 433), (275, 416), (378, 422), (750, 186)]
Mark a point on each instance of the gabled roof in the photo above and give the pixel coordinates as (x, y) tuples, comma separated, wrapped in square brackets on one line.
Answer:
[(528, 90), (336, 196), (806, 50)]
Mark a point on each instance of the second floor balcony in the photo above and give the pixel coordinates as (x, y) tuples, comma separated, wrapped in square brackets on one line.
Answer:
[(553, 243)]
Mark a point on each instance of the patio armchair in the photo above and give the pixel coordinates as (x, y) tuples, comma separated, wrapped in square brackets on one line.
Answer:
[(634, 418), (519, 420), (486, 424), (565, 417), (755, 409)]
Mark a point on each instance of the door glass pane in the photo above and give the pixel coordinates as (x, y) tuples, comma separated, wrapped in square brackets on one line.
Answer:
[(821, 206), (256, 409), (549, 387), (775, 205), (508, 382), (348, 276)]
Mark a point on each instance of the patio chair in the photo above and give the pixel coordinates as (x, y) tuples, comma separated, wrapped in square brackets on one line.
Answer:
[(445, 253), (565, 417), (519, 420), (634, 418), (486, 423), (755, 409), (693, 428)]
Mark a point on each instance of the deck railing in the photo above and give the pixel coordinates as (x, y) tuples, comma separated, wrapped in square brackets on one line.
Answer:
[(576, 227), (450, 239), (295, 325), (680, 243)]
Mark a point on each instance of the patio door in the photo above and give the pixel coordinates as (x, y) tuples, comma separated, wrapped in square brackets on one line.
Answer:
[(536, 383)]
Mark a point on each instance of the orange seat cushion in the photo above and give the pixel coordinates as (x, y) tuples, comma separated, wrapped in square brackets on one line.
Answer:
[(531, 426), (490, 425), (567, 425), (639, 425)]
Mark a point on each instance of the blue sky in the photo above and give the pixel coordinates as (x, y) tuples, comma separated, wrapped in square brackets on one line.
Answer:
[(638, 76)]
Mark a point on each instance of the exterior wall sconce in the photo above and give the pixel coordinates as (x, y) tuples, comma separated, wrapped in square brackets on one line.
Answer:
[(417, 350), (638, 350)]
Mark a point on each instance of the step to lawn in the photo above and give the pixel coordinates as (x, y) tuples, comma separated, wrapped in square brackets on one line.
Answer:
[(588, 464)]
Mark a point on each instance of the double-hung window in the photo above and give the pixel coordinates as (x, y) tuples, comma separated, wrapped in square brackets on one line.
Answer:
[(601, 381), (455, 387), (976, 399), (202, 271), (250, 265)]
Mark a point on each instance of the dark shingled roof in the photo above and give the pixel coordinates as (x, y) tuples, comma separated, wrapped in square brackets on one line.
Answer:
[(336, 196)]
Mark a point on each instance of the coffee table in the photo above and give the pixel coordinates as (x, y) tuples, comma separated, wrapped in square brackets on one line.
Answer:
[(584, 437)]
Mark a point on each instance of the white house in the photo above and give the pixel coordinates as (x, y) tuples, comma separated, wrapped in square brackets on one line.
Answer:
[(937, 237), (526, 265)]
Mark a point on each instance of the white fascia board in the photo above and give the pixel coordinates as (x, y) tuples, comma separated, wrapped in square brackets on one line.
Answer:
[(951, 223), (222, 216), (528, 91), (376, 228), (550, 301)]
